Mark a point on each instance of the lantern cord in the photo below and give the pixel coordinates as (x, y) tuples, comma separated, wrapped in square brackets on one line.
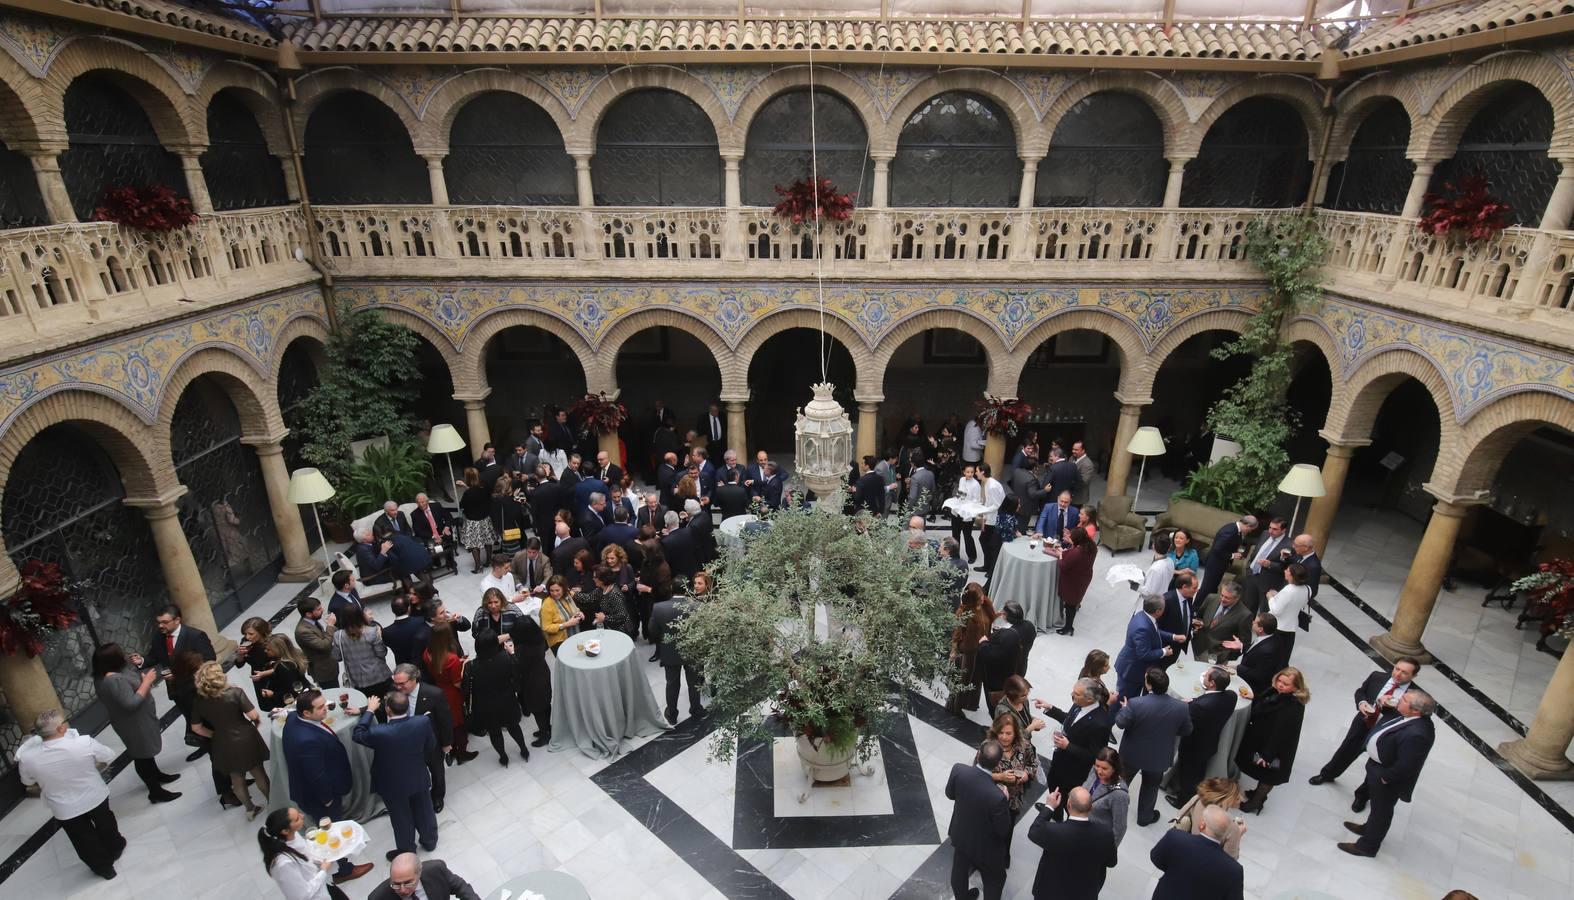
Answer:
[(814, 176)]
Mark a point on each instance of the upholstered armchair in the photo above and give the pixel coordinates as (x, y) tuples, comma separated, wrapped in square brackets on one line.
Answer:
[(1120, 528)]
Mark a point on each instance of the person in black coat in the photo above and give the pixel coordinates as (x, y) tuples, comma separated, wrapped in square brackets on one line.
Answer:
[(1399, 744), (1195, 866), (980, 828), (1026, 632), (1269, 652), (1062, 475), (407, 636), (1076, 852), (400, 747), (1084, 731), (1209, 714), (491, 690), (1272, 735), (680, 549), (1180, 609), (392, 520), (732, 498), (549, 496), (998, 655), (1379, 693), (563, 555), (174, 639), (428, 701), (869, 490), (1226, 548), (533, 677)]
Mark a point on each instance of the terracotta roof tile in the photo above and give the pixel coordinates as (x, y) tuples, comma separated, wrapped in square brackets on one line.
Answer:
[(214, 21), (1452, 21)]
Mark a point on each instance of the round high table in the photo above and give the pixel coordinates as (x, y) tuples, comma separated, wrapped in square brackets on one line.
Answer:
[(598, 702), (729, 534), (362, 803), (1186, 683), (551, 885), (1031, 578)]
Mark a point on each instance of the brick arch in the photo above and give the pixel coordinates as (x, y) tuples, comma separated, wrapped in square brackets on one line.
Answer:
[(1437, 134), (611, 343), (1139, 382), (28, 112), (1310, 331), (1152, 90), (259, 412), (1354, 408), (444, 105), (1032, 140), (866, 377), (252, 88), (1128, 343), (167, 106), (118, 430), (472, 350), (829, 80), (996, 353), (303, 327), (582, 137), (1297, 92), (1358, 102), (1493, 432), (315, 87)]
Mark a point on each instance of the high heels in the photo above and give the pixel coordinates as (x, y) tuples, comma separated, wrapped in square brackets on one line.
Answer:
[(502, 759), (252, 811)]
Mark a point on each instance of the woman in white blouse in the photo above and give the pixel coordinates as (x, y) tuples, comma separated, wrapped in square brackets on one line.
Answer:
[(1287, 603), (284, 856), (965, 507)]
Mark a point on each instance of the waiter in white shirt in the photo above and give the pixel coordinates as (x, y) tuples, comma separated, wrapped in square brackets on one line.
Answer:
[(1159, 575), (64, 766)]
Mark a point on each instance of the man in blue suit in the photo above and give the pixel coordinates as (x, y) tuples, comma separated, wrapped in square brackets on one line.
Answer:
[(1195, 866), (396, 556), (400, 749), (319, 769), (344, 594), (1150, 727), (1145, 646), (1058, 517)]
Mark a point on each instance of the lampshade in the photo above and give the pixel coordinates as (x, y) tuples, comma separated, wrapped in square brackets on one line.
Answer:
[(309, 486), (444, 439), (1146, 442), (1303, 480)]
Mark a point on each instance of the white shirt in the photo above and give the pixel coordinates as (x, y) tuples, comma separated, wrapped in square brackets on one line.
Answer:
[(66, 771), (1286, 605), (506, 584), (1270, 546), (1159, 576), (1371, 742), (994, 495), (972, 442), (299, 879)]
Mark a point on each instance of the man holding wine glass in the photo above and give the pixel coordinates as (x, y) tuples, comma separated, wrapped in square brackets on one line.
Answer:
[(319, 768)]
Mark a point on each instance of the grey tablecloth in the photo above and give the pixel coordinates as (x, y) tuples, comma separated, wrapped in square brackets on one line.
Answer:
[(1186, 683), (598, 702), (551, 885), (362, 803), (1031, 578), (729, 534)]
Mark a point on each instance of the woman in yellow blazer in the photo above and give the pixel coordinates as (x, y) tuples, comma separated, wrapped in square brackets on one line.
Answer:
[(559, 616)]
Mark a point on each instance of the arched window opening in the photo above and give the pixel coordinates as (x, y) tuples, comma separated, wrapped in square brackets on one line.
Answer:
[(1108, 150), (656, 148), (1375, 176), (358, 151), (112, 144), (1255, 155), (21, 204), (503, 148), (956, 149), (1507, 141), (237, 167), (781, 150)]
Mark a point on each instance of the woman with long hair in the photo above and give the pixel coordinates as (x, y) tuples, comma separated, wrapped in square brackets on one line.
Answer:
[(285, 858), (226, 715), (508, 515), (360, 647), (252, 652), (1076, 573), (1018, 761), (1272, 735), (1088, 520), (653, 586), (493, 694), (1015, 704), (1096, 666), (581, 572), (1224, 793), (475, 502), (446, 669), (286, 672), (533, 676), (127, 695), (616, 558), (974, 617), (559, 616)]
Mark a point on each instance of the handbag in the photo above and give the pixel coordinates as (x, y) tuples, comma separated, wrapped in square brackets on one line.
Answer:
[(1304, 619), (512, 535)]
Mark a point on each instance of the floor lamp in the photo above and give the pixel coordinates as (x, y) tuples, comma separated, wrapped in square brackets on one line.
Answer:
[(309, 486), (1303, 480), (1145, 443), (445, 439)]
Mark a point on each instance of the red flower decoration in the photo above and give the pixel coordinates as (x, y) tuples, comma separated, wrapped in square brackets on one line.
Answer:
[(999, 415), (155, 208), (801, 198), (598, 413), (42, 606), (1467, 208)]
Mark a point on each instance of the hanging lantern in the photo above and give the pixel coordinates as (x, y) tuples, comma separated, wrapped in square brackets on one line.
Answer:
[(823, 438)]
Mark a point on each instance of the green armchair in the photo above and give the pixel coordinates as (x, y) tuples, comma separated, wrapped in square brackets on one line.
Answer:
[(1120, 528)]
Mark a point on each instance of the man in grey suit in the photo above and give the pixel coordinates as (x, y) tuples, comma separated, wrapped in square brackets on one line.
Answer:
[(1085, 473), (1030, 493), (1150, 726), (663, 616), (980, 828), (921, 488), (1222, 618)]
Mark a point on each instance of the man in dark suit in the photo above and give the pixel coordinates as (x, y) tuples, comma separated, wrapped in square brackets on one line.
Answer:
[(681, 547), (488, 466), (1084, 731), (665, 440), (432, 524), (572, 475), (712, 426), (1267, 561), (1226, 548), (703, 470), (754, 473), (407, 635), (620, 532), (1150, 724), (314, 635), (732, 498), (663, 616), (998, 654), (1027, 633), (869, 492), (1376, 696), (395, 556), (667, 475), (1146, 645), (558, 435), (345, 595), (1262, 659), (319, 769), (589, 519), (549, 496), (980, 828), (1209, 714), (1223, 617), (1076, 852), (775, 481), (607, 471), (1062, 475), (428, 700), (1397, 749), (400, 750), (174, 639), (1179, 612), (652, 513), (1029, 491), (565, 550), (1055, 519), (391, 520), (435, 880), (921, 488), (1195, 866), (584, 488), (953, 565), (1303, 551)]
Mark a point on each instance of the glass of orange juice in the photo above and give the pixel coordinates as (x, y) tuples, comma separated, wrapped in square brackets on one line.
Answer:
[(333, 843), (320, 837), (348, 831)]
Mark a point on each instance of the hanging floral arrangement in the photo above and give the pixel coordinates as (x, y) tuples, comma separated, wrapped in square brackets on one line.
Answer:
[(598, 413), (1549, 595), (44, 605), (1000, 415), (801, 198), (156, 208), (1465, 208)]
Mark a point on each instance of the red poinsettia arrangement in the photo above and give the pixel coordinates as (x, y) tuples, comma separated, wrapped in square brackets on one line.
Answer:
[(1466, 208), (598, 413), (156, 208), (1002, 415), (42, 606), (801, 198), (1549, 595)]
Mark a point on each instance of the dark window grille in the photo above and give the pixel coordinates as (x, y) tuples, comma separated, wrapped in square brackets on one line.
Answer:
[(780, 149), (1108, 150), (297, 377), (1254, 155), (358, 151), (21, 204), (1507, 141), (957, 149), (112, 144), (239, 170), (1375, 176), (505, 149), (656, 148)]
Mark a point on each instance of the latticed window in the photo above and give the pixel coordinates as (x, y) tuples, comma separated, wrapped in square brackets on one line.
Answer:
[(957, 149), (505, 149), (656, 148), (358, 151), (240, 172), (1507, 141), (779, 148), (1254, 155), (1375, 176), (21, 205), (113, 144), (1108, 150)]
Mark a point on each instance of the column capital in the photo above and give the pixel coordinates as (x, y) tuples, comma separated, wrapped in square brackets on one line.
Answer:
[(1178, 162), (868, 398), (266, 444), (1132, 400), (868, 407), (43, 150), (1454, 505), (1345, 446), (882, 156), (477, 397), (434, 160), (735, 406), (581, 155), (1032, 157), (1425, 165), (160, 506), (732, 157)]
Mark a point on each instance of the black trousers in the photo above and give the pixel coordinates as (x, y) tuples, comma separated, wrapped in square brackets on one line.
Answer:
[(1382, 799), (961, 867), (434, 767), (410, 815), (1350, 750), (95, 836), (962, 532), (1148, 794), (147, 770), (991, 542), (495, 735), (674, 674)]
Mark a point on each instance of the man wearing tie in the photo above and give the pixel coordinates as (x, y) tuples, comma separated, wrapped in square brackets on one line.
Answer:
[(390, 521), (1303, 551), (1396, 749), (1058, 518), (1266, 572), (608, 471), (713, 425), (532, 571), (980, 828), (1221, 618), (319, 769), (1376, 696), (1146, 645), (1084, 731), (771, 493), (344, 594), (400, 749), (1179, 615), (433, 526), (174, 639)]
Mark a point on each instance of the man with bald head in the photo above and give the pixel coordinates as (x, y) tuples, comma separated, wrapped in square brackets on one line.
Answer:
[(1076, 852), (1196, 865), (409, 876)]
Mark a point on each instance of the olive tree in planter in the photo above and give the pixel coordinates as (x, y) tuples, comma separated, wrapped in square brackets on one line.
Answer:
[(836, 688)]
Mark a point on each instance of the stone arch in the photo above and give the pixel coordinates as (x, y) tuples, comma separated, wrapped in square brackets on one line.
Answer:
[(603, 370), (1150, 88), (1032, 140), (1492, 433), (28, 113), (258, 411), (1354, 409), (460, 375), (1298, 92), (444, 105), (252, 88), (867, 380), (582, 136), (318, 86), (1356, 103), (168, 108), (308, 327), (1437, 133), (1120, 331), (471, 364), (1310, 331), (1139, 381), (996, 353), (783, 80), (118, 430)]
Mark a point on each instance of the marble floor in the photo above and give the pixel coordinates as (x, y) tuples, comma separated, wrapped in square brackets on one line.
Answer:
[(662, 821)]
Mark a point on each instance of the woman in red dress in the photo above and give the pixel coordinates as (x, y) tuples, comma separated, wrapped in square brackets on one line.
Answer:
[(447, 669), (1076, 573)]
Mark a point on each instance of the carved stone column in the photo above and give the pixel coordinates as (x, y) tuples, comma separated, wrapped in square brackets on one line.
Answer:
[(1543, 752), (1419, 595), (1422, 177), (1172, 187), (868, 425), (181, 574), (196, 181), (1320, 519), (299, 564), (25, 681), (880, 192), (737, 425), (52, 185), (1554, 218), (437, 177), (475, 422), (1119, 456)]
